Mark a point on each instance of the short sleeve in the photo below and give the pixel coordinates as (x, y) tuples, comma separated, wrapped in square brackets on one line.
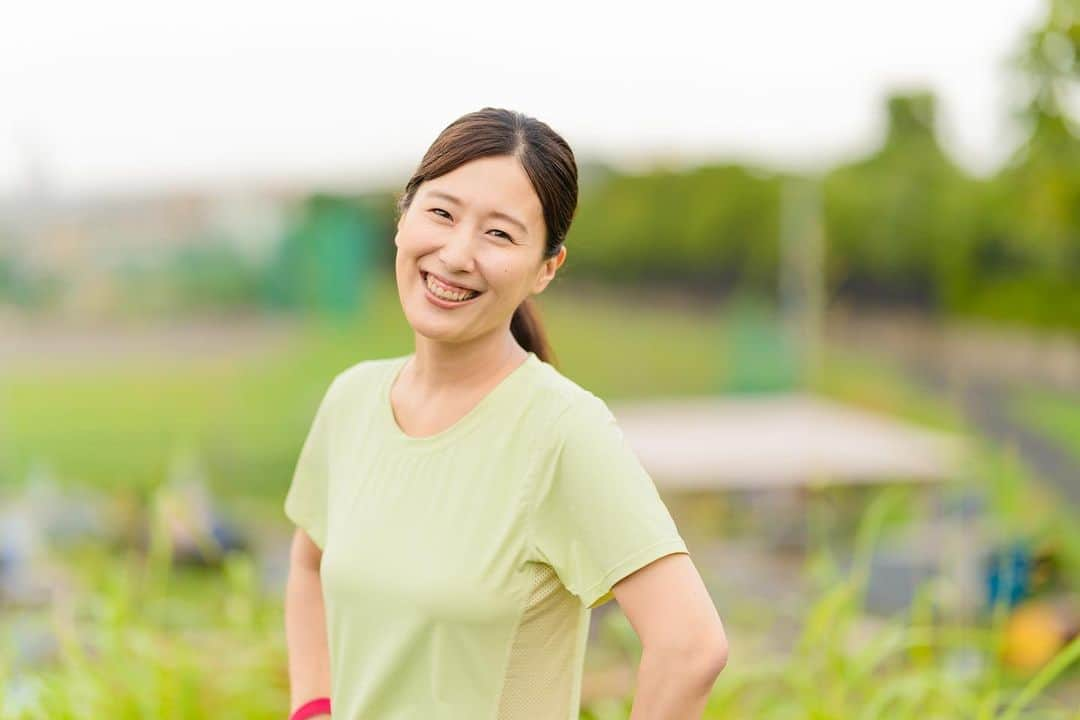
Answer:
[(307, 499), (598, 516)]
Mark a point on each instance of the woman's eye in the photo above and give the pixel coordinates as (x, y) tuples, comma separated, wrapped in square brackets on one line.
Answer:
[(502, 234), (440, 210)]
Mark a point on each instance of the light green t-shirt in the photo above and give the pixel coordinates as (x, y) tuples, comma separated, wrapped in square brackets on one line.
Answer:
[(459, 569)]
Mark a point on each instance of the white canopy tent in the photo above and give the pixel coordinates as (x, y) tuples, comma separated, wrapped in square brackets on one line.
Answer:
[(780, 441)]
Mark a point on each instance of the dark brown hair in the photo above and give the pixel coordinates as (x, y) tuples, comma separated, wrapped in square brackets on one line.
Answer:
[(547, 160)]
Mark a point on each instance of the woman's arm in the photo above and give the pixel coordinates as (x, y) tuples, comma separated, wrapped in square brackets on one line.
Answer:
[(305, 624), (684, 646)]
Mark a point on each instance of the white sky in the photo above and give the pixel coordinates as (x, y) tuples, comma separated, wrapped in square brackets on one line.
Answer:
[(112, 96)]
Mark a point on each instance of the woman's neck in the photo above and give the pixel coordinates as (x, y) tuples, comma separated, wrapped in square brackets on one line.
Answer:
[(438, 368)]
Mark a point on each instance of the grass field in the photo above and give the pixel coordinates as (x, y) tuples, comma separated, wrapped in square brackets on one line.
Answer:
[(116, 425)]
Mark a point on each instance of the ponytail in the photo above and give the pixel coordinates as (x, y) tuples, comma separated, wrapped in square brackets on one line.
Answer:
[(527, 329)]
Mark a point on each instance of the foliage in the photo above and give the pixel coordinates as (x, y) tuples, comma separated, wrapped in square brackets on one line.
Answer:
[(845, 665)]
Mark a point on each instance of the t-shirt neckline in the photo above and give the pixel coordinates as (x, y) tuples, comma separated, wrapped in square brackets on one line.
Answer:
[(461, 425)]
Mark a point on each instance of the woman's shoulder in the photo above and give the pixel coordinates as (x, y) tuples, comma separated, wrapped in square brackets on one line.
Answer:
[(363, 375), (566, 397)]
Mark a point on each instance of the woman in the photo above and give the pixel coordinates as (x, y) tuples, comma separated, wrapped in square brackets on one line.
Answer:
[(461, 509)]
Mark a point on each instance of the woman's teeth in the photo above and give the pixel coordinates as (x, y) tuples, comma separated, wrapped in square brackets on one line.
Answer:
[(446, 293)]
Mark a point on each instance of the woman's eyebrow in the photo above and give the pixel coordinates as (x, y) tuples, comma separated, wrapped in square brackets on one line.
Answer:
[(494, 213), (445, 196), (509, 219)]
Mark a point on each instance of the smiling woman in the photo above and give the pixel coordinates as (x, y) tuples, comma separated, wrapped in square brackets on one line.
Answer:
[(475, 237), (517, 193), (461, 509)]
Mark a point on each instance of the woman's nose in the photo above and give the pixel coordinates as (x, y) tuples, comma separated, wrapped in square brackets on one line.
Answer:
[(457, 251)]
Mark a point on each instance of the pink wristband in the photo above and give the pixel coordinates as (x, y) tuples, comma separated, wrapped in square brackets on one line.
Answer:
[(318, 706)]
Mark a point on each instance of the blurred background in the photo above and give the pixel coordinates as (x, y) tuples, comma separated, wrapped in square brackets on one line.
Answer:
[(825, 270)]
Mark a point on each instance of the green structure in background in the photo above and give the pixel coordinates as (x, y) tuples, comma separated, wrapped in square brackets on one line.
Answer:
[(759, 353), (324, 263), (771, 349)]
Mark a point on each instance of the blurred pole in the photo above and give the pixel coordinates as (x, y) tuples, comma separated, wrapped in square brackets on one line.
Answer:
[(802, 253)]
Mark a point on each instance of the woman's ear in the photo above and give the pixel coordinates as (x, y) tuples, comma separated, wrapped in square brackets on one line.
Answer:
[(561, 257), (401, 219), (548, 268)]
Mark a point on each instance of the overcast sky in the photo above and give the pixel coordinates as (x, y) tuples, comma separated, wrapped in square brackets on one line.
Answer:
[(123, 95)]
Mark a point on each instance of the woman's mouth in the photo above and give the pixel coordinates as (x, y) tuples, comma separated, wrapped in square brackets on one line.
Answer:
[(444, 295)]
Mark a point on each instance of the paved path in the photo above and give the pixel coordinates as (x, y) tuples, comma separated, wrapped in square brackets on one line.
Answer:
[(987, 404)]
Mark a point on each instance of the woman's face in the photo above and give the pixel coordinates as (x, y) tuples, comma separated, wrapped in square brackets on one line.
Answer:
[(480, 227)]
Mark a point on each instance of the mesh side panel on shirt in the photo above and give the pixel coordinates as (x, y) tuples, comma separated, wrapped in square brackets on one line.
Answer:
[(540, 676)]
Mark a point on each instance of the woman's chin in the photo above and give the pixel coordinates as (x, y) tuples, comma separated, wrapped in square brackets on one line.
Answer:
[(432, 326)]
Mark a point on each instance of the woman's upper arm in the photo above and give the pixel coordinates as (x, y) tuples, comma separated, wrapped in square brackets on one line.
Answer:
[(670, 609), (305, 553)]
